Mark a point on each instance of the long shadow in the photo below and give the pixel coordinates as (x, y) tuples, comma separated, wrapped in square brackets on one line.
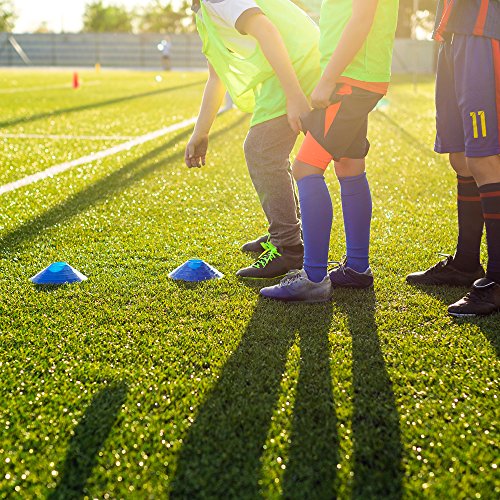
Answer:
[(377, 455), (488, 325), (221, 455), (89, 438), (117, 181), (314, 451), (93, 105)]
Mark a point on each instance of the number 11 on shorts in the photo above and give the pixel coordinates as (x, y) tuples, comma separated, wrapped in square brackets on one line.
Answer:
[(482, 116)]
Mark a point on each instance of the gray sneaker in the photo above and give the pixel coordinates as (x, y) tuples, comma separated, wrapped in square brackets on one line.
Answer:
[(297, 287)]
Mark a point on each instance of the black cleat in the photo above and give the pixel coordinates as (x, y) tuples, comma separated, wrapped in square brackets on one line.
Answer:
[(444, 273), (345, 277), (483, 299), (273, 263), (255, 246)]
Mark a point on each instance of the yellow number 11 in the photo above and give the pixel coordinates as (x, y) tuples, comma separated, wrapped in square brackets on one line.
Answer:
[(482, 116)]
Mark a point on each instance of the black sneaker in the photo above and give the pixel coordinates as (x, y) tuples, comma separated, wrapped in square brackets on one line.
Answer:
[(273, 263), (255, 246), (483, 299), (342, 276), (444, 273)]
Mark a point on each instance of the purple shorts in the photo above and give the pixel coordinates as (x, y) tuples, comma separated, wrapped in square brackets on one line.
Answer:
[(468, 96)]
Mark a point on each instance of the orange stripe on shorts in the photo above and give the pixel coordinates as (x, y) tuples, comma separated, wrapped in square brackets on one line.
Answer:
[(496, 64), (481, 18)]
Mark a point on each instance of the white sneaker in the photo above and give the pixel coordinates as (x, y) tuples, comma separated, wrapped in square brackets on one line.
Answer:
[(297, 287)]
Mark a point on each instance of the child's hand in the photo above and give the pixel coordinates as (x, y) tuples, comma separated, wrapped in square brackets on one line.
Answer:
[(196, 151), (297, 107), (320, 97)]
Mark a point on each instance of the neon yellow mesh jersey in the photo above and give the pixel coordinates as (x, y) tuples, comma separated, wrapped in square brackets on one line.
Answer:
[(373, 61), (250, 80)]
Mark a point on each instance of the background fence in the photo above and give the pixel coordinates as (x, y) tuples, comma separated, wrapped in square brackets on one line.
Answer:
[(140, 51), (108, 49)]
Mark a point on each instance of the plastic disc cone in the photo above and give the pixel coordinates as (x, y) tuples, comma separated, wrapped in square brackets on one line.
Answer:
[(57, 274), (195, 270)]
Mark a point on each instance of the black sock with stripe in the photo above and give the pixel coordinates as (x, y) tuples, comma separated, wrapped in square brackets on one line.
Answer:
[(490, 199), (470, 225)]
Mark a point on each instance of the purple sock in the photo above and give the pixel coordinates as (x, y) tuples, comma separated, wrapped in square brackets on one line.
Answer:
[(317, 215), (357, 211)]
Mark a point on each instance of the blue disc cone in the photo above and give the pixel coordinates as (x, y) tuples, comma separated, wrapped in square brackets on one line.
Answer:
[(195, 270), (57, 274)]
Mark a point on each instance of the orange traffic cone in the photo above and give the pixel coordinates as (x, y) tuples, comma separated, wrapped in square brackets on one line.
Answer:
[(76, 81)]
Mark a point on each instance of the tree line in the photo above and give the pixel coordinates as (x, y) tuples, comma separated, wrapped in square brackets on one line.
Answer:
[(160, 16)]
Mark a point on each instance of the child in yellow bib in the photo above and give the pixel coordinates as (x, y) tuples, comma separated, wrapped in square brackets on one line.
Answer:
[(265, 54), (356, 43)]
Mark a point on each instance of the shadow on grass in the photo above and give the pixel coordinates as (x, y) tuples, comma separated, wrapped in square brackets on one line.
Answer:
[(101, 190), (376, 430), (93, 105), (222, 453), (314, 449), (488, 325), (89, 438)]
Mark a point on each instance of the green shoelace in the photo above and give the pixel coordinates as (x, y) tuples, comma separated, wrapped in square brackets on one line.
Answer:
[(270, 253)]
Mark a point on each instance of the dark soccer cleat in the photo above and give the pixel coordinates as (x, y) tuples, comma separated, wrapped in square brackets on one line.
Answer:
[(483, 299), (445, 273), (345, 277), (255, 246), (273, 263)]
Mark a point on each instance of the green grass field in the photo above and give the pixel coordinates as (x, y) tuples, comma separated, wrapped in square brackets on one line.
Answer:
[(133, 385)]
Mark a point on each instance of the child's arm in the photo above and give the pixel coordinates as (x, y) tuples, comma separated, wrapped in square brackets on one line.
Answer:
[(257, 25), (351, 41), (213, 95)]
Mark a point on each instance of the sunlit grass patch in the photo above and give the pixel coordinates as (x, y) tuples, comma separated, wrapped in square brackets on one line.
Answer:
[(133, 385)]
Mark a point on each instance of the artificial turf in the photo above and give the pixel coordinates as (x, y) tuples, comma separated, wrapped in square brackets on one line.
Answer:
[(133, 385)]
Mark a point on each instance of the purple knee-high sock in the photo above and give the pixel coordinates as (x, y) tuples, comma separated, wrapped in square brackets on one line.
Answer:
[(317, 215), (357, 211)]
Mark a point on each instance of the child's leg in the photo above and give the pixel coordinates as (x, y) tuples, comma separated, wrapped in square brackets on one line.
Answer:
[(317, 215), (486, 171), (477, 72), (332, 132), (470, 217), (339, 132), (356, 210), (267, 150), (464, 267)]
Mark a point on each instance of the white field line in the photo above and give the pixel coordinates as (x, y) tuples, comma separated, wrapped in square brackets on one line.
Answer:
[(73, 137), (46, 87), (62, 167)]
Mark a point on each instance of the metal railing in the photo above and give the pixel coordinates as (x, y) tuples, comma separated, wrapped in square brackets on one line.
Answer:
[(107, 49), (140, 51)]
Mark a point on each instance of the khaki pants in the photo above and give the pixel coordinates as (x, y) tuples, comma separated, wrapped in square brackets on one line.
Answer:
[(267, 151)]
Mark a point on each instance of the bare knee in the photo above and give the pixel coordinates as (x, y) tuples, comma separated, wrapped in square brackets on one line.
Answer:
[(459, 163), (301, 170), (349, 167), (486, 170)]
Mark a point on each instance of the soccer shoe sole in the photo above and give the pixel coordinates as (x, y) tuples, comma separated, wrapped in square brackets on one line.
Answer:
[(311, 301), (473, 315), (466, 281), (257, 278)]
